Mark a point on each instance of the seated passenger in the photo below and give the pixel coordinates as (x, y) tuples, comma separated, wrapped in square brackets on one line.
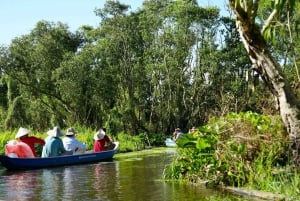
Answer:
[(23, 135), (54, 145), (177, 134), (72, 144), (16, 149), (102, 141), (192, 130)]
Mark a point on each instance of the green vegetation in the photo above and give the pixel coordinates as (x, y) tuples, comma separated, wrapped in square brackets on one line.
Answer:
[(146, 71), (243, 150), (169, 64)]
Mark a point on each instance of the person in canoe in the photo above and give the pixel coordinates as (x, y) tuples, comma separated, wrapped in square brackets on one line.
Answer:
[(177, 134), (23, 136), (192, 131), (54, 145), (71, 143), (102, 141)]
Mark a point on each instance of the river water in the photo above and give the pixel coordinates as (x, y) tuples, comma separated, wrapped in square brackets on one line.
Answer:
[(131, 177)]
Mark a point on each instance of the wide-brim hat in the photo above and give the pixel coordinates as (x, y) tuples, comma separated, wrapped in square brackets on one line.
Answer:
[(177, 129), (99, 135), (22, 131), (71, 131), (56, 132)]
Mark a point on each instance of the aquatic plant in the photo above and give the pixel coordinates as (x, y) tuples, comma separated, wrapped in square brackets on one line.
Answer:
[(230, 150)]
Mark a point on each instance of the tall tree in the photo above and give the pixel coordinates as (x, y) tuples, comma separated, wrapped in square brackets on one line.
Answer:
[(34, 59), (265, 64), (122, 44), (170, 31)]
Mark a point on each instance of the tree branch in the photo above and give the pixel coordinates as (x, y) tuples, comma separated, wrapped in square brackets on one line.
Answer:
[(269, 20)]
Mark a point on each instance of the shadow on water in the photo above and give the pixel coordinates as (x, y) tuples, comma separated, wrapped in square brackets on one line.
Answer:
[(131, 177)]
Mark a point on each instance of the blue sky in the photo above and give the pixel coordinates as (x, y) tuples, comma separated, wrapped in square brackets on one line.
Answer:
[(19, 17)]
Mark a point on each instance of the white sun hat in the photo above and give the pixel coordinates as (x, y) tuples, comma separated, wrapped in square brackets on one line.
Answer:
[(56, 132), (99, 135), (21, 132)]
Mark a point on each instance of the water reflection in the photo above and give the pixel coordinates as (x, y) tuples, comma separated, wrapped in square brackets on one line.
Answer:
[(84, 182), (69, 179), (15, 186), (136, 178), (105, 180), (50, 184)]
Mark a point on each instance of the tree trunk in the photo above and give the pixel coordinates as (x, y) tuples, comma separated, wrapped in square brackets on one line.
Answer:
[(270, 71)]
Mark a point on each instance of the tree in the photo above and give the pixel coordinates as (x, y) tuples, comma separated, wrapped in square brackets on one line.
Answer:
[(122, 47), (31, 64), (252, 35)]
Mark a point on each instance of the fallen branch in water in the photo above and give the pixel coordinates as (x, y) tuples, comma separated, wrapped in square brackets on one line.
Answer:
[(254, 193)]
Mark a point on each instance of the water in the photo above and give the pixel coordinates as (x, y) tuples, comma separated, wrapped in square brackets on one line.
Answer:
[(136, 177)]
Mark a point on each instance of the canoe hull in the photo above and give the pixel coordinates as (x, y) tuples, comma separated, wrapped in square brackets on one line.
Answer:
[(170, 143), (36, 163)]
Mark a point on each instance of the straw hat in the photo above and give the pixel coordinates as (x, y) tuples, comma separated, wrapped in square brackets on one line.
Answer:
[(177, 129), (71, 131), (99, 135), (21, 132), (56, 132)]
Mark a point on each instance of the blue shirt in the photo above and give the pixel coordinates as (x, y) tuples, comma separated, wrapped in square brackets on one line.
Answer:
[(179, 135), (53, 147)]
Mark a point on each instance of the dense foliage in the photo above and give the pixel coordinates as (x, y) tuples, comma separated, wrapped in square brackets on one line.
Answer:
[(233, 150), (169, 64)]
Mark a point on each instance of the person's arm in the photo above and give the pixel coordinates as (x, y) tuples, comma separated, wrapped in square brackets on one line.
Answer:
[(174, 136), (96, 146), (39, 141), (80, 146)]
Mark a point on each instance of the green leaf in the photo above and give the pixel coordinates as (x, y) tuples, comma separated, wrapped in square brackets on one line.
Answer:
[(202, 144)]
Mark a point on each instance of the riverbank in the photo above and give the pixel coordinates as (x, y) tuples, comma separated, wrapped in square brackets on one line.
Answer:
[(248, 193), (245, 150)]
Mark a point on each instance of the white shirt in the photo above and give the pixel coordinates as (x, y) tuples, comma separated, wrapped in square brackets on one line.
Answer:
[(72, 144)]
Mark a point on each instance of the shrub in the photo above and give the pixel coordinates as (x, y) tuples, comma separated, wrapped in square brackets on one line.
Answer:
[(229, 149)]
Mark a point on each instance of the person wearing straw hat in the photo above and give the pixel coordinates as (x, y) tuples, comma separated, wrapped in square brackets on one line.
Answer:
[(192, 130), (54, 145), (71, 143), (102, 141), (177, 134), (31, 141)]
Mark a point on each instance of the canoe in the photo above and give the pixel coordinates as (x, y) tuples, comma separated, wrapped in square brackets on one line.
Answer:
[(12, 163), (170, 143)]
